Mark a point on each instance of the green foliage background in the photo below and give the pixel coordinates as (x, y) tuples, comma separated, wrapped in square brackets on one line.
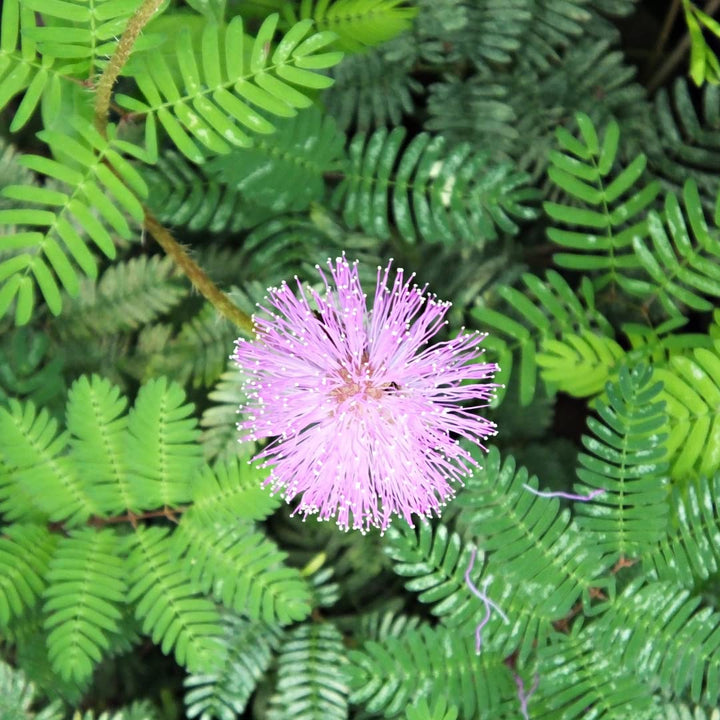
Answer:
[(501, 149)]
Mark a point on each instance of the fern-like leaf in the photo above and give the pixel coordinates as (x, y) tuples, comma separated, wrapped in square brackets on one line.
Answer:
[(531, 542), (688, 142), (579, 681), (294, 244), (439, 711), (37, 473), (191, 196), (543, 312), (129, 294), (656, 345), (25, 552), (171, 612), (692, 396), (86, 586), (188, 196), (372, 89), (579, 364), (218, 96), (665, 710), (219, 420), (84, 32), (21, 70), (243, 569), (312, 676), (97, 421), (284, 171), (29, 368), (682, 268), (436, 563), (625, 462), (231, 491), (554, 26), (427, 664), (197, 354), (438, 194), (690, 552), (247, 649), (162, 449), (98, 191), (603, 206), (357, 23), (18, 698), (658, 630)]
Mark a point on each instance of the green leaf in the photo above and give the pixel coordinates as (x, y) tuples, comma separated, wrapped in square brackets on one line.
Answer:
[(162, 451), (578, 364), (357, 24), (170, 609), (284, 171), (428, 663), (247, 650), (576, 675), (689, 552), (536, 317), (659, 630), (312, 679), (682, 262), (436, 563), (692, 396), (82, 204), (230, 492), (438, 194), (97, 421), (22, 72), (38, 466), (25, 551), (598, 205), (242, 569), (530, 541), (86, 587), (624, 460), (220, 92)]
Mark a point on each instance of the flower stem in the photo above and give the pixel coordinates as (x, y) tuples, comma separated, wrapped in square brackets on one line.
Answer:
[(164, 238), (197, 275), (122, 52)]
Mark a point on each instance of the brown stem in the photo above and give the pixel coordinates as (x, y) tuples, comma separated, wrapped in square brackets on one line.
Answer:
[(164, 238), (170, 514), (664, 33), (122, 52), (677, 54), (197, 275)]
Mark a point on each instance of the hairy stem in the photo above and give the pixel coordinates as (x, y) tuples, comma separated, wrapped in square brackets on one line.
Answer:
[(164, 238), (122, 52), (197, 275)]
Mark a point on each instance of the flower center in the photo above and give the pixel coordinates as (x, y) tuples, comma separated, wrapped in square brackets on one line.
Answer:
[(360, 385)]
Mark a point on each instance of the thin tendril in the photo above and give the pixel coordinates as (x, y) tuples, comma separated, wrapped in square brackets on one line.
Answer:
[(489, 604), (568, 496), (522, 697)]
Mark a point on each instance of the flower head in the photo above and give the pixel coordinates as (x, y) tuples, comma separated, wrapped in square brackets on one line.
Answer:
[(365, 414)]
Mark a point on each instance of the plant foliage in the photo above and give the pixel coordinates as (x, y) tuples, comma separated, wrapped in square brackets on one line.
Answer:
[(206, 111), (607, 207), (162, 164)]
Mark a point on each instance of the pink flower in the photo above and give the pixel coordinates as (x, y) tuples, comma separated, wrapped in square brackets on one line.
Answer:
[(365, 415)]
